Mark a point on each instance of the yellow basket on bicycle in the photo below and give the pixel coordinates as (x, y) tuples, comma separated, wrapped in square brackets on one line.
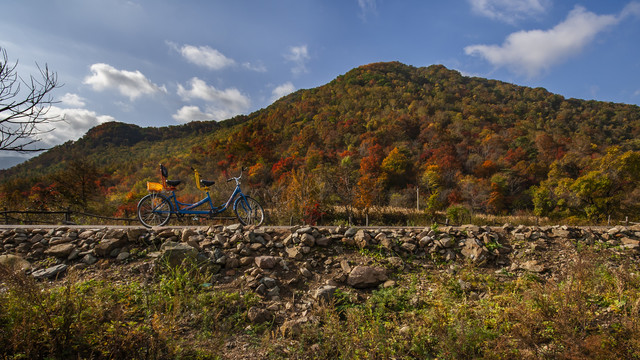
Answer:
[(154, 186)]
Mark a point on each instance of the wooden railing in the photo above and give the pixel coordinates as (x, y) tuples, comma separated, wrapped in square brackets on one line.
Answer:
[(30, 217), (68, 216)]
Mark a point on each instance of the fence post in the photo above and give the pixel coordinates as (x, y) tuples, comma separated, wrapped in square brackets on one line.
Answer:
[(67, 215), (6, 216)]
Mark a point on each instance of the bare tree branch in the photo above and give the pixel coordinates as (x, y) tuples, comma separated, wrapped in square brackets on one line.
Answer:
[(23, 113)]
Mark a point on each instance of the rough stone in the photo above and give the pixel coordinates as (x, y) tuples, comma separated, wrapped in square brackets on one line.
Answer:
[(60, 250), (473, 250), (307, 239), (15, 262), (50, 272), (294, 253), (106, 246), (325, 293), (174, 254), (266, 262), (366, 276), (362, 239), (258, 315)]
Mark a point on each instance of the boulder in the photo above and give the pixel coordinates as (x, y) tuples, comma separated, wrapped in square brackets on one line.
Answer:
[(61, 250), (266, 262), (325, 293), (14, 263), (366, 276), (174, 254), (474, 250), (49, 273), (106, 246), (362, 239), (258, 315)]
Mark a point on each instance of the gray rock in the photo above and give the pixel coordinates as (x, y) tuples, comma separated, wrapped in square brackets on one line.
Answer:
[(49, 273), (106, 246), (257, 315), (175, 254), (186, 234), (294, 253), (351, 232), (533, 266), (307, 239), (89, 259), (366, 276), (123, 256), (233, 227), (325, 293), (133, 235), (362, 239), (61, 250), (473, 250), (15, 262), (323, 241), (266, 262)]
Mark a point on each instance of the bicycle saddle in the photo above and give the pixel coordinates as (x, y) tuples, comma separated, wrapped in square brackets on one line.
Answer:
[(173, 182), (207, 182)]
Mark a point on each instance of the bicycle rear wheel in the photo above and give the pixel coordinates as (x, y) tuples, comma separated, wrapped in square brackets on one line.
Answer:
[(154, 210), (248, 212)]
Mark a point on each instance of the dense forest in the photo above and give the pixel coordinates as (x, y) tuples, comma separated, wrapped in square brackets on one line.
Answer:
[(375, 136)]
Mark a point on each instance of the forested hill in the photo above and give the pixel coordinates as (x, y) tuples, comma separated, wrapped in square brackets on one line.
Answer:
[(371, 136)]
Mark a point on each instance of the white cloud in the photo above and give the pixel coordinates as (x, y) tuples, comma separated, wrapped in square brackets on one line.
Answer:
[(206, 56), (73, 100), (299, 55), (282, 90), (192, 113), (255, 67), (632, 9), (531, 52), (129, 83), (75, 123), (221, 104), (510, 10), (366, 7)]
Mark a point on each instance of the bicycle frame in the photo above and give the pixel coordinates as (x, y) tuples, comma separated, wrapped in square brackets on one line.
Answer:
[(181, 208), (156, 208)]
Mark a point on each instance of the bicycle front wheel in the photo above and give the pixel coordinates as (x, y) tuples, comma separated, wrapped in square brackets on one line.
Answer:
[(154, 210), (249, 212)]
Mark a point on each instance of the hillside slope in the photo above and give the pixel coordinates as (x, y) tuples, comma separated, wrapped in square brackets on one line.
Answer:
[(370, 136)]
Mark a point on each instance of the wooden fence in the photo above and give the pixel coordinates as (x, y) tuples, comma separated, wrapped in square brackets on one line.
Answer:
[(71, 217), (30, 217)]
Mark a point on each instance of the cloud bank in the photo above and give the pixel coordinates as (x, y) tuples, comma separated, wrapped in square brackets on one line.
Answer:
[(206, 57), (509, 11), (299, 55), (532, 52), (219, 104), (132, 84), (282, 90), (74, 124)]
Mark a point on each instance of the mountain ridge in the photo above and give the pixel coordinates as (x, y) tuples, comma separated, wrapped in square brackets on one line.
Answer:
[(382, 128)]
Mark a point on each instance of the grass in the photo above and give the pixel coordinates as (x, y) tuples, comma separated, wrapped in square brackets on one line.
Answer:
[(173, 317), (589, 310)]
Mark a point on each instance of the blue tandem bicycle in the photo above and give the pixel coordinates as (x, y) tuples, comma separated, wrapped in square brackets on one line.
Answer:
[(156, 208)]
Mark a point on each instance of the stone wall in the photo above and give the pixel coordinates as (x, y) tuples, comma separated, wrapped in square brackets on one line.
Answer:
[(47, 252)]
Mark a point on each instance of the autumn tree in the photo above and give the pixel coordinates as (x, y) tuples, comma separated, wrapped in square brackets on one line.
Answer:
[(79, 183), (396, 167), (24, 111)]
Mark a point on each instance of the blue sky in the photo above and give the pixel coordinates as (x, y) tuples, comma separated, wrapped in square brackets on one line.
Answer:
[(162, 62)]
